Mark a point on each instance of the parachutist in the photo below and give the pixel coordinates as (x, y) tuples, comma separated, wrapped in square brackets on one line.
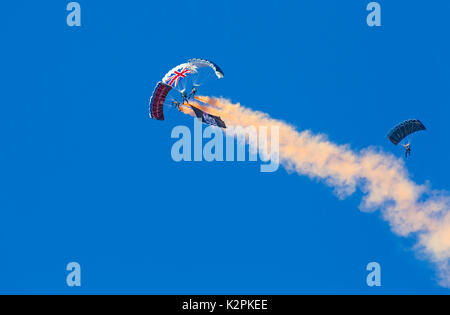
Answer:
[(193, 92), (185, 98), (403, 130), (408, 149)]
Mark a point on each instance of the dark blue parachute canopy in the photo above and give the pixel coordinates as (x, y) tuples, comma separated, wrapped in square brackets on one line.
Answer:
[(403, 130)]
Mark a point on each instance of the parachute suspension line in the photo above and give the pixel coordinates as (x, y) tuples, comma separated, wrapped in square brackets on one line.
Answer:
[(196, 77), (207, 78), (169, 105), (201, 77), (181, 87)]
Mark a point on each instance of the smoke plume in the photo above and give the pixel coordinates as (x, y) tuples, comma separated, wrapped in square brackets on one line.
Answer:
[(410, 208)]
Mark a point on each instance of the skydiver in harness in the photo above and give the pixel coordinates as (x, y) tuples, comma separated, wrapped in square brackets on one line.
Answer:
[(408, 149), (185, 98), (193, 92)]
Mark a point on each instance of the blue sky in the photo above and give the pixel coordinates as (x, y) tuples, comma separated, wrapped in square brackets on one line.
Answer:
[(88, 177)]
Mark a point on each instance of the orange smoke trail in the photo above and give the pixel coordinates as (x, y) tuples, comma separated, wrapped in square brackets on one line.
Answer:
[(202, 99), (187, 110), (408, 207)]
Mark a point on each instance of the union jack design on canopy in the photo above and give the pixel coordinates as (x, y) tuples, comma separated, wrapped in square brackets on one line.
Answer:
[(179, 87), (174, 76)]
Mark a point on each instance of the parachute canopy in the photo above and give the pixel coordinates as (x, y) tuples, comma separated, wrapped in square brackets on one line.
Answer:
[(403, 130), (180, 79), (202, 63), (192, 67), (173, 77)]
